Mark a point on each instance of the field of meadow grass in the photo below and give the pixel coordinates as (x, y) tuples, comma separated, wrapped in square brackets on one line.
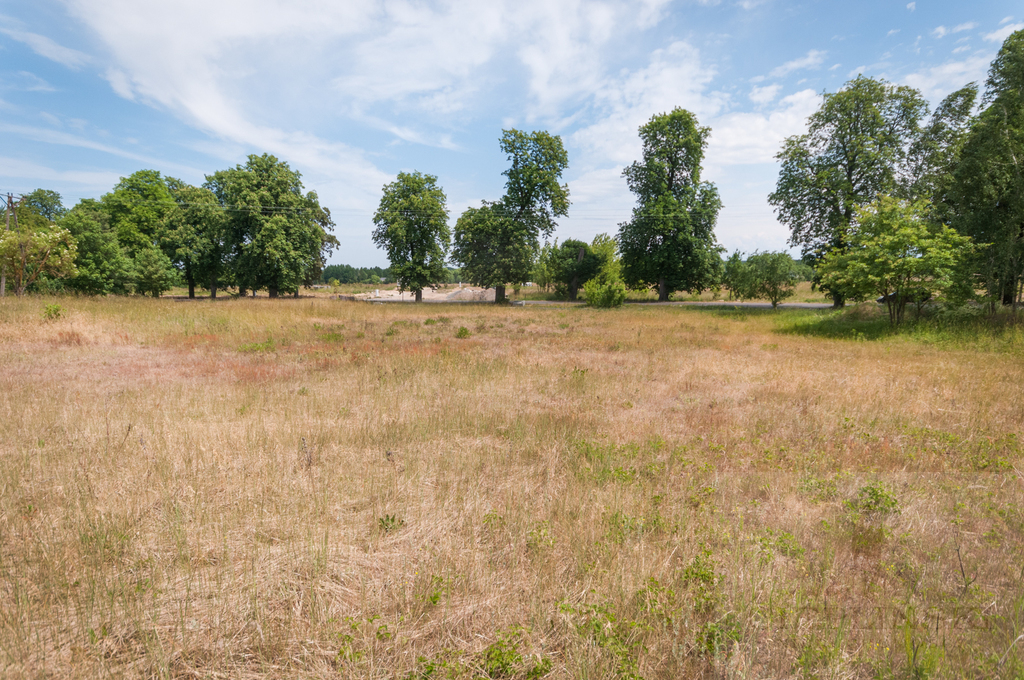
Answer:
[(313, 488)]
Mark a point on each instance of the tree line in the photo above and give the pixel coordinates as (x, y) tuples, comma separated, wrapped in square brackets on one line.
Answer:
[(883, 197), (250, 227)]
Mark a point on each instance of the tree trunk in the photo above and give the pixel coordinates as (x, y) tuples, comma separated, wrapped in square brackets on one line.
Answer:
[(574, 288), (419, 295), (213, 287), (838, 300), (191, 288), (499, 294), (662, 290), (242, 291), (296, 294), (272, 292)]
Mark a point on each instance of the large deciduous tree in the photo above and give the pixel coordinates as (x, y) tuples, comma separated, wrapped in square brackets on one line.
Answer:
[(987, 191), (194, 237), (138, 207), (497, 243), (278, 237), (857, 146), (412, 226), (669, 244)]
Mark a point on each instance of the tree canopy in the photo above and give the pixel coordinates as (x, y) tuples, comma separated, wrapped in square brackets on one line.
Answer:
[(277, 237), (669, 244), (412, 226), (857, 146)]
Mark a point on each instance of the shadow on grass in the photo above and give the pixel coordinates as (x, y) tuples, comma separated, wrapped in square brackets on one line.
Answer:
[(952, 330)]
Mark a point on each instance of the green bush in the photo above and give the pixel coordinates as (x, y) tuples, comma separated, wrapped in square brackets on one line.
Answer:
[(52, 312), (610, 294), (462, 333)]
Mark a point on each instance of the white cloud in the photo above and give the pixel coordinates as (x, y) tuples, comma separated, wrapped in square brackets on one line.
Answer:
[(1006, 20), (938, 81), (970, 25), (20, 169), (940, 31), (1003, 33), (812, 59), (48, 136), (745, 138), (911, 6), (892, 32), (46, 47), (962, 48), (763, 95)]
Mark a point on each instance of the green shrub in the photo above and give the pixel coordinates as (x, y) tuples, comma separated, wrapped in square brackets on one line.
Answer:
[(462, 333), (52, 312), (610, 294)]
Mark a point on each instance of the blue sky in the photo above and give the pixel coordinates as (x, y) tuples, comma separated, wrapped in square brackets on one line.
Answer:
[(351, 93)]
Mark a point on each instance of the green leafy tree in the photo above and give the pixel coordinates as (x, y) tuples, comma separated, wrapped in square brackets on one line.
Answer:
[(154, 272), (34, 247), (543, 273), (45, 203), (857, 146), (102, 267), (574, 263), (138, 208), (194, 235), (277, 237), (771, 276), (412, 226), (987, 191), (497, 243), (669, 244), (493, 248), (895, 252)]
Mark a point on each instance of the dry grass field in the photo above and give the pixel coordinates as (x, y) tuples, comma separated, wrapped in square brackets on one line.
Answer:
[(204, 490)]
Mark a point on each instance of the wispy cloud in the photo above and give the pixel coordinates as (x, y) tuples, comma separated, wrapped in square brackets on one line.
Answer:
[(942, 31), (911, 6), (812, 59), (1003, 33), (45, 47), (892, 32)]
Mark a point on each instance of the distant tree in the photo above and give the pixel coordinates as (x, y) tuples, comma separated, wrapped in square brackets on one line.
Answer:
[(277, 237), (669, 244), (574, 263), (987, 189), (894, 251), (605, 288), (497, 243), (34, 247), (493, 248), (194, 236), (857, 146), (773, 275), (412, 226), (102, 266), (736, 277), (543, 273), (45, 203)]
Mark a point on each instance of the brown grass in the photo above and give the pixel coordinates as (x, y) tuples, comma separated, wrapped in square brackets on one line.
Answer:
[(195, 489)]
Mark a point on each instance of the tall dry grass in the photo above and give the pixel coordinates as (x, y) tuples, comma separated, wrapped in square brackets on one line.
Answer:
[(204, 490)]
